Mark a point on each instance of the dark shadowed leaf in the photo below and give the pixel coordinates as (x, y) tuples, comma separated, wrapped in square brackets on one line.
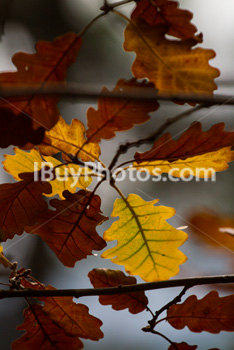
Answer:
[(104, 278), (70, 230)]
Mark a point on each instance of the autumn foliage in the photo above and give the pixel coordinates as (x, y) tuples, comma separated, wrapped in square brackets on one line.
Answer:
[(169, 59)]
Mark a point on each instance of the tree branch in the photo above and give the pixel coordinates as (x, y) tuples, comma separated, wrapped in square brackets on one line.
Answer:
[(77, 293), (75, 90)]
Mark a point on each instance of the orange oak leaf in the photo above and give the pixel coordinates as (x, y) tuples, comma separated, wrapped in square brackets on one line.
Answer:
[(167, 12), (211, 314), (208, 226), (182, 346), (70, 230), (48, 65), (43, 333), (118, 114), (191, 143), (104, 278), (73, 318), (20, 205), (173, 66)]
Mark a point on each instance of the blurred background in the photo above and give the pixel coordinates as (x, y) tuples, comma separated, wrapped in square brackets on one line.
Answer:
[(102, 62)]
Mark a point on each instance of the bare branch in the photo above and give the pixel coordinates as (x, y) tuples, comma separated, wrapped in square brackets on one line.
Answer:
[(78, 293), (82, 92)]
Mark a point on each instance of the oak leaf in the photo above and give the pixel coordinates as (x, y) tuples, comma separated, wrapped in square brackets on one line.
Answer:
[(103, 278), (206, 225), (73, 318), (48, 65), (211, 314), (202, 166), (70, 230), (182, 346), (69, 139), (20, 205), (147, 245), (191, 143), (171, 65), (194, 145), (115, 114), (43, 333), (65, 177), (167, 12)]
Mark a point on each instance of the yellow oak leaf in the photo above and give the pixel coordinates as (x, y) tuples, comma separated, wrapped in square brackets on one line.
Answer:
[(69, 139), (147, 245), (67, 175), (204, 165), (172, 65)]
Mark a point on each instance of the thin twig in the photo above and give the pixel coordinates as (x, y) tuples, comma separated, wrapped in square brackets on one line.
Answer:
[(125, 147), (176, 300), (77, 293), (149, 330)]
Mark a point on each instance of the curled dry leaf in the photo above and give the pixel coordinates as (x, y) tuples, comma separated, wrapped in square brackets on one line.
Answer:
[(211, 314), (70, 230), (103, 278)]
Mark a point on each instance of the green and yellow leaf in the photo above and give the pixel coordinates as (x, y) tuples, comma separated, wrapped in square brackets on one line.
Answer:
[(67, 176), (204, 165), (69, 139), (147, 245)]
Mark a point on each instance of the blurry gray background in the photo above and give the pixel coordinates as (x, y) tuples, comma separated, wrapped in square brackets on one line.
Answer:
[(102, 62)]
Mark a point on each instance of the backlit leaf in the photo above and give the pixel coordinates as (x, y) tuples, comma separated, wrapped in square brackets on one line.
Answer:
[(73, 318), (43, 333), (201, 166), (182, 346), (115, 115), (104, 278), (191, 143), (20, 205), (171, 65), (147, 245), (194, 149), (48, 65), (70, 139), (70, 230), (167, 12), (211, 314), (63, 180), (206, 226)]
